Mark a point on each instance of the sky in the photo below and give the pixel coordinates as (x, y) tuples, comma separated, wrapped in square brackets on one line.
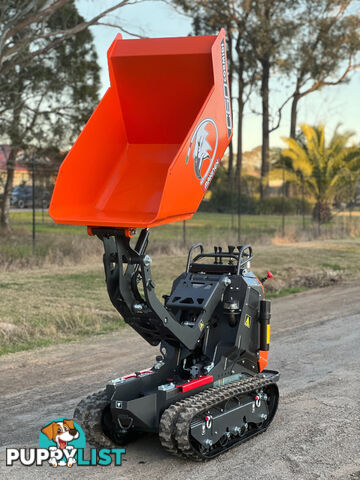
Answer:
[(331, 106)]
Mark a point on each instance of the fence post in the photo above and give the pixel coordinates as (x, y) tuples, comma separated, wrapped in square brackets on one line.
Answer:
[(33, 205), (283, 202), (303, 203), (238, 210)]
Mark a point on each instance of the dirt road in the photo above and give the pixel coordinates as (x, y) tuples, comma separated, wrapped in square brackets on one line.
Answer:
[(315, 435)]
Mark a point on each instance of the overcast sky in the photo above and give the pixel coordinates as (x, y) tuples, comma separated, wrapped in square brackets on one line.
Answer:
[(331, 106)]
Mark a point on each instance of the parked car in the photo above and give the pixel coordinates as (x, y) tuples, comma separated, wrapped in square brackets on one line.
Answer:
[(22, 197)]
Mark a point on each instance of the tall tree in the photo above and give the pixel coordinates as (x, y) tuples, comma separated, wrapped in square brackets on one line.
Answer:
[(270, 29), (209, 17), (32, 16), (325, 50), (259, 31), (45, 101)]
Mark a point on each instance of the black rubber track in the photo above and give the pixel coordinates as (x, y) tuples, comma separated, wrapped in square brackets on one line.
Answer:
[(176, 420), (89, 414)]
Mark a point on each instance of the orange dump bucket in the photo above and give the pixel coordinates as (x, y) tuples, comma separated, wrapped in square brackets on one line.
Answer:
[(151, 148)]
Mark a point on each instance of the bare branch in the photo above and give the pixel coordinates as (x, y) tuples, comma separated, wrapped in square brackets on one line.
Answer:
[(119, 27), (39, 15), (279, 113), (322, 82), (14, 50)]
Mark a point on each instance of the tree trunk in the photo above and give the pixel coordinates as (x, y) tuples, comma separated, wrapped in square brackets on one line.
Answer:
[(303, 202), (265, 125), (231, 162), (239, 150), (322, 212), (283, 203), (5, 202), (293, 117), (184, 233)]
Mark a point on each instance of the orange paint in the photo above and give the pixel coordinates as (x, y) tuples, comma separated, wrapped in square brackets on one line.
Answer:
[(261, 285), (263, 359), (151, 147)]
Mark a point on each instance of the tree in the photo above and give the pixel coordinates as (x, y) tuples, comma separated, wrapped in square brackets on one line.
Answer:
[(325, 49), (258, 31), (31, 17), (233, 16), (348, 178), (316, 166), (46, 101), (208, 18), (271, 28)]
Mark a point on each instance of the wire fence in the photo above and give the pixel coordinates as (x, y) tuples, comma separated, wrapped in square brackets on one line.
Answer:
[(32, 192)]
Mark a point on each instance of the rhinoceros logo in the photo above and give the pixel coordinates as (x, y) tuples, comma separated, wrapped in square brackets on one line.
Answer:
[(203, 147)]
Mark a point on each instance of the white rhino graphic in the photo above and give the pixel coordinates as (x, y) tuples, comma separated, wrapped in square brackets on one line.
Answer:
[(202, 148)]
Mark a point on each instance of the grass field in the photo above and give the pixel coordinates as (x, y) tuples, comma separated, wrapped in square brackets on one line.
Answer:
[(40, 306), (203, 225), (58, 294), (71, 243)]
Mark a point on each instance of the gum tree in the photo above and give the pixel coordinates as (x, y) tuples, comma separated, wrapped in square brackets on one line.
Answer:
[(45, 101)]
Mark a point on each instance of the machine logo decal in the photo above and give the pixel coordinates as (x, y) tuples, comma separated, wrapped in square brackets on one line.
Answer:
[(247, 321), (226, 89), (203, 148), (211, 175)]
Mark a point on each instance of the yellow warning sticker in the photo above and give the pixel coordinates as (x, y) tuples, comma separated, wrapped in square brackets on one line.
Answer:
[(247, 321), (268, 334), (201, 325)]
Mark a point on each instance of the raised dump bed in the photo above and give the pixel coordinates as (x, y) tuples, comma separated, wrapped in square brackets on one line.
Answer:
[(150, 149)]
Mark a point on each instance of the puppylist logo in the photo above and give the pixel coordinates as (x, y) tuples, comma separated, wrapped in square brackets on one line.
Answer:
[(62, 444)]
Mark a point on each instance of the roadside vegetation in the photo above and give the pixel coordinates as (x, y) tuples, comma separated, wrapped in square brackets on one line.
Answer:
[(58, 294)]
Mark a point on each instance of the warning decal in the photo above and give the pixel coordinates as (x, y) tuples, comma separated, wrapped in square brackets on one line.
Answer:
[(247, 321)]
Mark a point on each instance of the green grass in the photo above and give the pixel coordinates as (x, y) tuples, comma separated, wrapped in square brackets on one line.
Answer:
[(45, 342), (333, 266), (202, 225), (49, 307), (200, 221), (286, 291), (70, 244), (207, 226), (64, 303), (59, 294)]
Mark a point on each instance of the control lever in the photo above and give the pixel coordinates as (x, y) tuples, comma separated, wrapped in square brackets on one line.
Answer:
[(231, 251), (268, 276), (215, 250)]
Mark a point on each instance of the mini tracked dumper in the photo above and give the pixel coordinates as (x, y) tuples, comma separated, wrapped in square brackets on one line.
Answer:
[(146, 157)]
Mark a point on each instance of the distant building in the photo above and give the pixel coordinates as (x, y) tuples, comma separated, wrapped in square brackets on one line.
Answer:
[(46, 168), (252, 162), (21, 175), (252, 168)]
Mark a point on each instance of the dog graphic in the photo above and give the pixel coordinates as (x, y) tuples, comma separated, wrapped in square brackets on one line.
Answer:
[(61, 433)]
